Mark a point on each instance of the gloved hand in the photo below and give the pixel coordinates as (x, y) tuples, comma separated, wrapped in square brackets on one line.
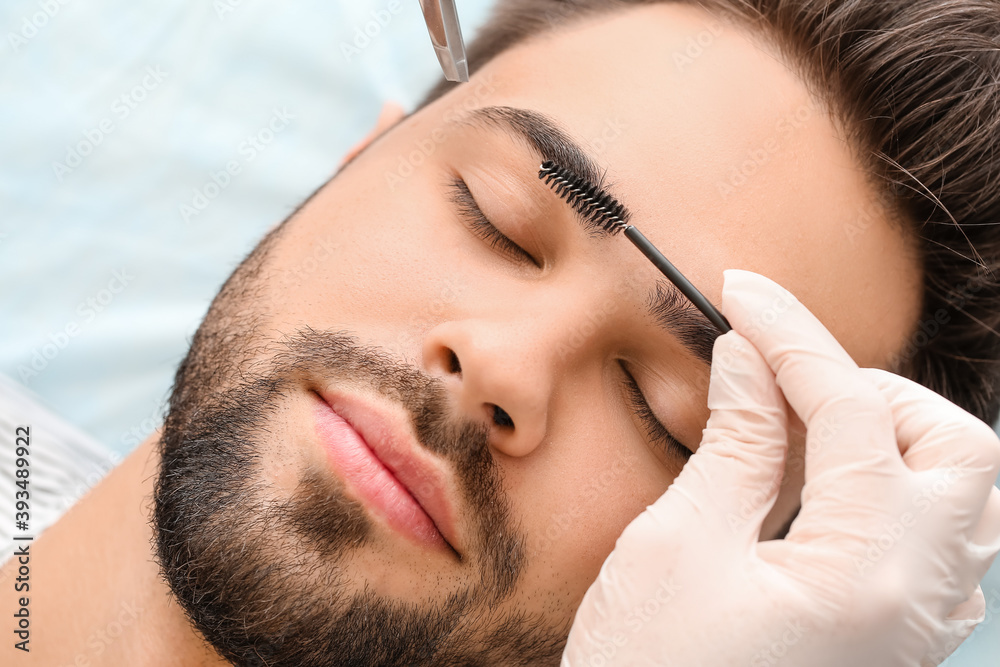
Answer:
[(899, 519)]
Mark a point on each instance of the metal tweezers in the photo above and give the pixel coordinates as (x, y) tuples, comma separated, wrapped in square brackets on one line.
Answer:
[(446, 36)]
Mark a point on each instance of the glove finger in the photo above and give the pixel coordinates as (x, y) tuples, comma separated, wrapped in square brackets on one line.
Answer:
[(958, 625), (746, 435), (935, 434), (985, 542), (987, 532), (728, 486), (970, 613), (850, 439), (972, 557)]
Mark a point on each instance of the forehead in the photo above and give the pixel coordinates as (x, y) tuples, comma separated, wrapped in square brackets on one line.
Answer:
[(726, 160)]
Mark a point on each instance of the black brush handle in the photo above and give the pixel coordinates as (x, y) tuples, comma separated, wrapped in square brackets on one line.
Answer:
[(677, 278)]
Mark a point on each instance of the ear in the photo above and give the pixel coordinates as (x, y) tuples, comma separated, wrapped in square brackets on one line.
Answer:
[(391, 114)]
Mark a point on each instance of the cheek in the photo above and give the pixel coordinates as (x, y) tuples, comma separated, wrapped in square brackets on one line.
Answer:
[(574, 501), (388, 265), (363, 259)]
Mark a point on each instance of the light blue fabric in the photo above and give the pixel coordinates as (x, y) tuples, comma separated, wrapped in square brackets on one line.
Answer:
[(198, 78), (222, 69)]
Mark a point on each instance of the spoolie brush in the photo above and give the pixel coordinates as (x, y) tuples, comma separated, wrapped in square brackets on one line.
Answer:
[(606, 212)]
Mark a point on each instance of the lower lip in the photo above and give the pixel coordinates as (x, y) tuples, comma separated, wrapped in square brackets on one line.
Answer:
[(368, 477)]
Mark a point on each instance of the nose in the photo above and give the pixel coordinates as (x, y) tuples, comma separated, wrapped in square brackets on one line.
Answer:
[(498, 375)]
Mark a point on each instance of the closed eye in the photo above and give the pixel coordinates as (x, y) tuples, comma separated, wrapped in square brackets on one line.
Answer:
[(655, 430), (480, 225)]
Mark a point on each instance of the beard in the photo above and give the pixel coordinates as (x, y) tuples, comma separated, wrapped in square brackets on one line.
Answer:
[(269, 581)]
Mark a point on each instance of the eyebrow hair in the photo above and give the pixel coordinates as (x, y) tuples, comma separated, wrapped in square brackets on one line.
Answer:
[(549, 142), (665, 303)]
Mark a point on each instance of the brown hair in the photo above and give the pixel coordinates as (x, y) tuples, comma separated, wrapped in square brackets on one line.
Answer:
[(917, 85)]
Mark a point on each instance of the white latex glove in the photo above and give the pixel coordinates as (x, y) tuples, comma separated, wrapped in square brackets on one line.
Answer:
[(899, 519)]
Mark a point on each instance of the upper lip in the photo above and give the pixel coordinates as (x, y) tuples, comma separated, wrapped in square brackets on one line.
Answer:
[(387, 434)]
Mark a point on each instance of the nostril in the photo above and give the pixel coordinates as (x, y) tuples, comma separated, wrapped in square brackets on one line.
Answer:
[(453, 364), (501, 418)]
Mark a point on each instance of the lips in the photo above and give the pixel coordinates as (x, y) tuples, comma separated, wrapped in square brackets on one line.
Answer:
[(370, 447)]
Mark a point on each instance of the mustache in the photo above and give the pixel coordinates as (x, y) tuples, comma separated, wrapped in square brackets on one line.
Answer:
[(339, 357), (330, 521)]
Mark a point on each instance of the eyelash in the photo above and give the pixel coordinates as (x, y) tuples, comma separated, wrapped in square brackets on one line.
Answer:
[(481, 226), (654, 429)]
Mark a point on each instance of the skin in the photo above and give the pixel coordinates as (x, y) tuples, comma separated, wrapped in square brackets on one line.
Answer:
[(403, 273)]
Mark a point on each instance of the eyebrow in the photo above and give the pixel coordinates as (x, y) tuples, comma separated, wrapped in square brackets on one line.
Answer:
[(668, 307)]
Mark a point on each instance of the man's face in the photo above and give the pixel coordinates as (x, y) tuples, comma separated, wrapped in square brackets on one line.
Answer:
[(503, 362)]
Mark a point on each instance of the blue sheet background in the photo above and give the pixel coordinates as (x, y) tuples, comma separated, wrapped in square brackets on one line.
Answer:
[(198, 78)]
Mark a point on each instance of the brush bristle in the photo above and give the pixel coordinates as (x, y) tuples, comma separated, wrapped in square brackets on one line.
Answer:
[(602, 209)]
